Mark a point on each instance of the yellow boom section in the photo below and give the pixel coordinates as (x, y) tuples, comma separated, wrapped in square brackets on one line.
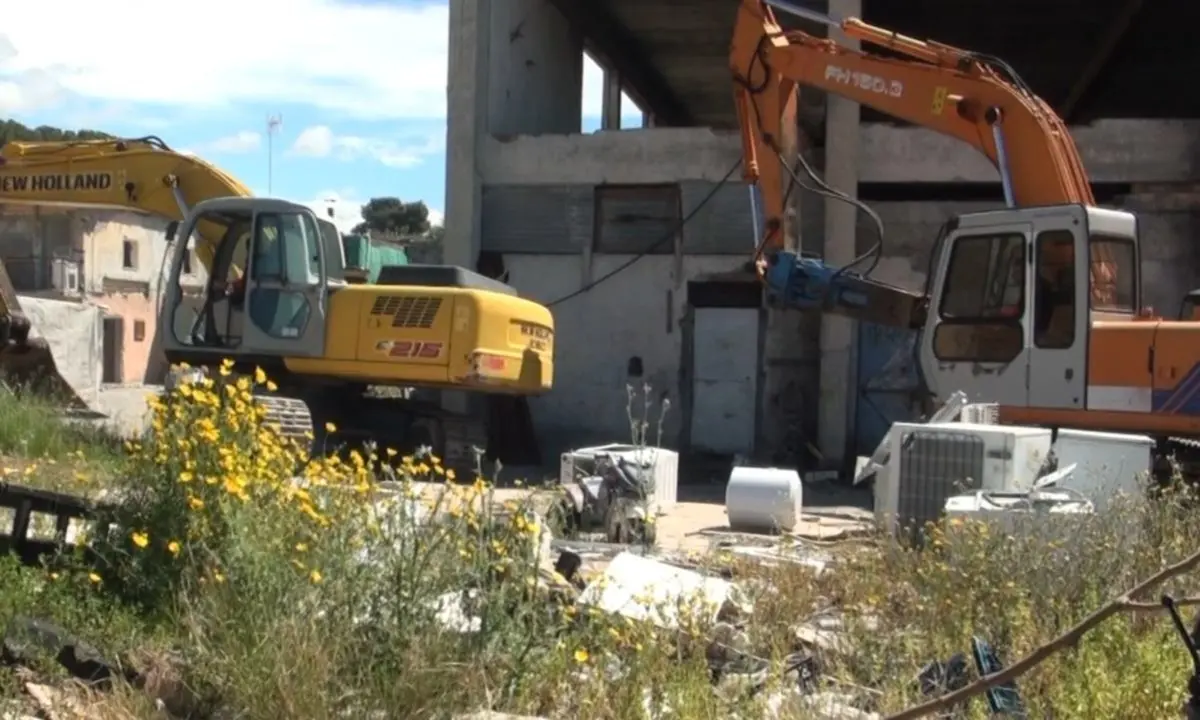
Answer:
[(141, 174)]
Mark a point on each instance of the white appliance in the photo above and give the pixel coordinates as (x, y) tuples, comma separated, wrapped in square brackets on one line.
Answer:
[(580, 463), (1051, 514), (931, 463), (64, 276), (1105, 464), (981, 414), (764, 499)]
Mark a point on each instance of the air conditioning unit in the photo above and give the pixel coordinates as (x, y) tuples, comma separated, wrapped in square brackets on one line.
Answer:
[(932, 463), (581, 463), (981, 414), (65, 276)]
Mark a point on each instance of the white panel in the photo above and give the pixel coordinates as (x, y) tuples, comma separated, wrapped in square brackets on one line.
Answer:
[(1118, 397), (725, 364)]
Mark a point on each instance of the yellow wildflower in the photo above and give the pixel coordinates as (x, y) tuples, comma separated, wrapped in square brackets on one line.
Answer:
[(140, 539)]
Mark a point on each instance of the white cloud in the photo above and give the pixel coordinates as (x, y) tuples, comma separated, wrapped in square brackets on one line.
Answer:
[(320, 141), (347, 208), (238, 143), (315, 141), (373, 61), (436, 217)]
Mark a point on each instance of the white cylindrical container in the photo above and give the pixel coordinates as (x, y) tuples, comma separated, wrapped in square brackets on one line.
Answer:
[(763, 499)]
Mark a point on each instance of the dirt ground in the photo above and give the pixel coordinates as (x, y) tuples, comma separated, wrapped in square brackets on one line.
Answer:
[(829, 509), (829, 513)]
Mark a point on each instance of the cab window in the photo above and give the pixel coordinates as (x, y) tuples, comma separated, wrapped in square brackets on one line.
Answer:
[(1054, 296), (1113, 274), (985, 279), (286, 248), (983, 300)]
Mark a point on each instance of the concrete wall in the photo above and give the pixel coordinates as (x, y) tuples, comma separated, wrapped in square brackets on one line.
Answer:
[(637, 313), (74, 332)]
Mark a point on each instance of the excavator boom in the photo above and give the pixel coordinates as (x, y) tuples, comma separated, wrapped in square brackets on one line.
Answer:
[(143, 175), (972, 97)]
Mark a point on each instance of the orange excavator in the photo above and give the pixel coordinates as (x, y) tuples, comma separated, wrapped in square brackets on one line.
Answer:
[(1035, 306)]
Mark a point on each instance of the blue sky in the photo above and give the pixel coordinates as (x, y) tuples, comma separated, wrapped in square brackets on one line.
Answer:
[(360, 87)]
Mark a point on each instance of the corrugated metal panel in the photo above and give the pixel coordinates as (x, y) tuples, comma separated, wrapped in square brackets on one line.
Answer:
[(543, 219), (888, 383), (637, 219)]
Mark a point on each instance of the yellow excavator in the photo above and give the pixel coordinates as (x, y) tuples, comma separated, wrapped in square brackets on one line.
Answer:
[(276, 296)]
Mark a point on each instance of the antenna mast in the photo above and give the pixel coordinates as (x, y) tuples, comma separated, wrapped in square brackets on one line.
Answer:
[(273, 124)]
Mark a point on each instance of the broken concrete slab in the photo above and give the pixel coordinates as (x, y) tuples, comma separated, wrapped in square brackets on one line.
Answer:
[(450, 611), (647, 590), (827, 632)]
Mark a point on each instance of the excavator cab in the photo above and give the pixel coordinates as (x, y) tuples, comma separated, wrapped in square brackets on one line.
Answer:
[(1013, 296), (266, 291)]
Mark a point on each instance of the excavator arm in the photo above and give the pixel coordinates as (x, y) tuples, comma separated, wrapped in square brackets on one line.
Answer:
[(958, 93), (142, 175)]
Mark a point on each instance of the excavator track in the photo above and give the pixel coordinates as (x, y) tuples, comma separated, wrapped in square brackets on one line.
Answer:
[(292, 415)]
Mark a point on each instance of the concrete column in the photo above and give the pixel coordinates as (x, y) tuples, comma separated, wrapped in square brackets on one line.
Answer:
[(838, 377), (466, 123), (610, 103), (536, 68)]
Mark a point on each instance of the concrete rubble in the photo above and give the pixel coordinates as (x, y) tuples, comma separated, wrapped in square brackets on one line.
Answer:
[(644, 589)]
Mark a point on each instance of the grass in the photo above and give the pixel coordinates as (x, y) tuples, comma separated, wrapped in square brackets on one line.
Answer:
[(268, 598)]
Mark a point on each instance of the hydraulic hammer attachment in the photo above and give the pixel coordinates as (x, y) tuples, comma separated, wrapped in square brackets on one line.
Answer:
[(801, 283)]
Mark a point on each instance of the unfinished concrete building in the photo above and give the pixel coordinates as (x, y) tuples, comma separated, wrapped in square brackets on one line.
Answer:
[(577, 220)]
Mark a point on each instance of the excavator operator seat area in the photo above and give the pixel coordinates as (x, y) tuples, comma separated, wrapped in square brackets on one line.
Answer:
[(1013, 294), (265, 292)]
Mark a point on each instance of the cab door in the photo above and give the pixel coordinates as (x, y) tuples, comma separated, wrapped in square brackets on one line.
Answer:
[(1060, 321), (285, 293), (975, 334)]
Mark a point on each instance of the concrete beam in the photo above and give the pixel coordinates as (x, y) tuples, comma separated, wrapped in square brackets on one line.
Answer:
[(653, 155), (838, 393), (535, 69), (610, 102), (1112, 150), (466, 125), (616, 49)]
